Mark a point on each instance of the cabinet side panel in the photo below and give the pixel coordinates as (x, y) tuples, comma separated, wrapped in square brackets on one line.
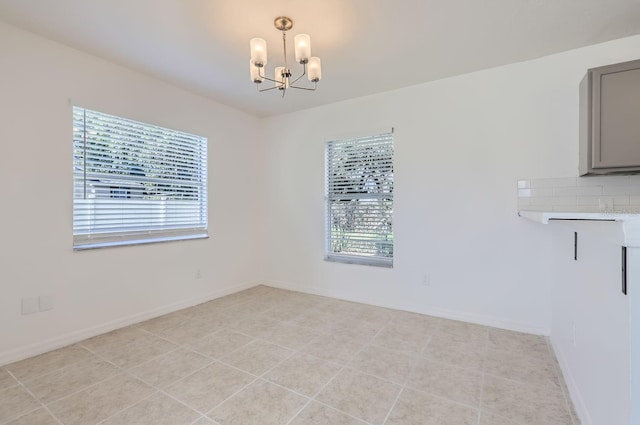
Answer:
[(633, 283), (620, 119), (585, 126), (590, 320)]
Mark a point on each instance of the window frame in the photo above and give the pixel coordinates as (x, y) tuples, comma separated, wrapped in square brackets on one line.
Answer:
[(167, 187), (358, 258)]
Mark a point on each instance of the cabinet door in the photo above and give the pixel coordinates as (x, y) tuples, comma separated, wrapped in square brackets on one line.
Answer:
[(616, 114)]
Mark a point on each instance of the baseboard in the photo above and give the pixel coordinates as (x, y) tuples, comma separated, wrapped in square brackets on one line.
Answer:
[(76, 336), (576, 397), (431, 311)]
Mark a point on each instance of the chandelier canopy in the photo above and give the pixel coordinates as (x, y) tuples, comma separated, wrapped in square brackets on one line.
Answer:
[(283, 78)]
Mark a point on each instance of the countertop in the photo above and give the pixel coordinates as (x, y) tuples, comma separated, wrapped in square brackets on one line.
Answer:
[(630, 221)]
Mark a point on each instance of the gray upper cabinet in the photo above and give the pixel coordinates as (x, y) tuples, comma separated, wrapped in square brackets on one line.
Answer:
[(610, 120)]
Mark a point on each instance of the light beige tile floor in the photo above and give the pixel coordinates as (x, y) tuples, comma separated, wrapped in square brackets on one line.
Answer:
[(272, 357)]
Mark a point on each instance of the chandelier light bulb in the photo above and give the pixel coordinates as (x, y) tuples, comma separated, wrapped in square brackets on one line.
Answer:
[(280, 79), (315, 69), (258, 51), (302, 47)]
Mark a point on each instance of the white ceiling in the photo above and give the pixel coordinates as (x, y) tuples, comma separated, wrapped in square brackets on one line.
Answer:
[(366, 46)]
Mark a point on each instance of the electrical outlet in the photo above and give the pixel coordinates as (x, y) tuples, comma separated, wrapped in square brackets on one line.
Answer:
[(198, 274), (426, 279), (46, 303), (30, 305)]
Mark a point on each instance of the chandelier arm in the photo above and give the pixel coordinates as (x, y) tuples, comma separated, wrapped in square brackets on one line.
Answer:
[(267, 89), (304, 72), (272, 80), (303, 88), (264, 77)]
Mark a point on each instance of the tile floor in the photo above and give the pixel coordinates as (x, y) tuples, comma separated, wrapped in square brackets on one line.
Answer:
[(267, 356)]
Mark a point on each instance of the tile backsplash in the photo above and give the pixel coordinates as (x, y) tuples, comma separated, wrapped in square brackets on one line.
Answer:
[(585, 194)]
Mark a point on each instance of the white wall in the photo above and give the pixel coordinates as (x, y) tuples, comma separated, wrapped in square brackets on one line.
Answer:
[(95, 290), (461, 144), (587, 297)]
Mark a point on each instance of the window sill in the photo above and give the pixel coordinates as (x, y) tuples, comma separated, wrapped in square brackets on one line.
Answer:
[(126, 242), (362, 261)]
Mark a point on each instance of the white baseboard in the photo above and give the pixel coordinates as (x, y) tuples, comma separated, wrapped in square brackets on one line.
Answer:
[(431, 311), (76, 336), (574, 392)]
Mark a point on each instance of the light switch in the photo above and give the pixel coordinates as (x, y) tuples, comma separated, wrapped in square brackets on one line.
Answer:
[(30, 305)]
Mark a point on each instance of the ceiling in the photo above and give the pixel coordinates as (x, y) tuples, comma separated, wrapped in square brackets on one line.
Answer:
[(366, 46)]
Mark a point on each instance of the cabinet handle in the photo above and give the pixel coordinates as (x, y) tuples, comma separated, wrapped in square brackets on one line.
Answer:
[(575, 246), (624, 270)]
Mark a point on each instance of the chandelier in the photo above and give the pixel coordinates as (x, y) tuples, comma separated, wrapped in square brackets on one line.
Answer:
[(283, 79)]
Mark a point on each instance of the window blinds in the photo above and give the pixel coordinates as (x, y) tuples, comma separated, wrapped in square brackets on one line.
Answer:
[(135, 182), (359, 196)]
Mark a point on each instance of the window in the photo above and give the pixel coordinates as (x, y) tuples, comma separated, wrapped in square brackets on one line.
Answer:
[(135, 182), (359, 196)]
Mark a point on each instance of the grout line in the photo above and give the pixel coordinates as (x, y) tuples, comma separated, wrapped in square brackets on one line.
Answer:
[(165, 393), (284, 388), (52, 415), (42, 404), (29, 379), (526, 384), (501, 416), (196, 350), (87, 386), (51, 372), (14, 381), (252, 382), (443, 398), (83, 389), (159, 390), (21, 415), (314, 398), (406, 380), (163, 390), (229, 398), (393, 405), (152, 359), (128, 407), (122, 371), (341, 411), (311, 399), (255, 380)]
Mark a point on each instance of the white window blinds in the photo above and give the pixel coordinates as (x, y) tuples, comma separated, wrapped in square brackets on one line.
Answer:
[(135, 182), (359, 196)]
